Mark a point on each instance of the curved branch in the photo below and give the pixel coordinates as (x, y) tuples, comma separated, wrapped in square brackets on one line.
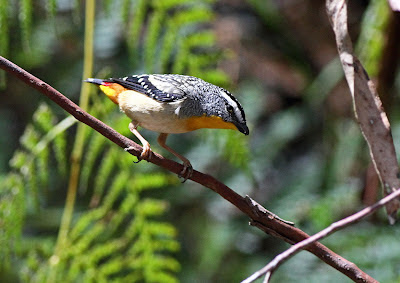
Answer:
[(260, 217)]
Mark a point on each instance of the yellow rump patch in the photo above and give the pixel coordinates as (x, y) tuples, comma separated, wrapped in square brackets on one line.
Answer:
[(112, 91), (210, 122)]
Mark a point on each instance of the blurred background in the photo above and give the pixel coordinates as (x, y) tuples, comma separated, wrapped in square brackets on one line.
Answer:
[(74, 207)]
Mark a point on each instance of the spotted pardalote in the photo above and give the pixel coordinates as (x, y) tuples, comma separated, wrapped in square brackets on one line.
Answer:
[(172, 104)]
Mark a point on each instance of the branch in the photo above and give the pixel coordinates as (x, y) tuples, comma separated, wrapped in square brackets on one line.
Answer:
[(368, 108), (260, 217), (281, 258)]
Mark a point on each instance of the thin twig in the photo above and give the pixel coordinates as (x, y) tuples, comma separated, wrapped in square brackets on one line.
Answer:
[(259, 216), (281, 258)]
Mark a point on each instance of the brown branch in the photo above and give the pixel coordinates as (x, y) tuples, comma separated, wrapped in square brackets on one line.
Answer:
[(368, 108), (385, 81), (260, 217), (281, 258)]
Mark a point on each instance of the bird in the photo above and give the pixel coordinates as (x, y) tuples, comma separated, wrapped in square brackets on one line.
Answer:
[(172, 104)]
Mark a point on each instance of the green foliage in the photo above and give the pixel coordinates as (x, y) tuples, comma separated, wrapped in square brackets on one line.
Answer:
[(52, 7), (118, 237), (116, 233), (303, 162), (12, 215), (44, 137), (21, 189), (175, 40), (372, 37)]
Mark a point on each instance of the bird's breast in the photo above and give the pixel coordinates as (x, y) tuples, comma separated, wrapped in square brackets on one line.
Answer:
[(163, 117)]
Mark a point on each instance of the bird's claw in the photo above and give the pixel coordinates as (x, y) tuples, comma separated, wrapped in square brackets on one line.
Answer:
[(187, 172), (129, 148), (145, 155)]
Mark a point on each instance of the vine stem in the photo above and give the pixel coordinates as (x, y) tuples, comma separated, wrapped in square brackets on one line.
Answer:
[(77, 151)]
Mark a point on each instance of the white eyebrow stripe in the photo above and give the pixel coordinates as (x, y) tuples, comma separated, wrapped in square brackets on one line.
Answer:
[(234, 104)]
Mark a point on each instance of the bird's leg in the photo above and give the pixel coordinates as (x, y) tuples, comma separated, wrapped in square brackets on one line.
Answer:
[(146, 152), (187, 167)]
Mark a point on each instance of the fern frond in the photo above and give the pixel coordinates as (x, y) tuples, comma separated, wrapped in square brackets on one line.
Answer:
[(177, 26), (32, 162), (12, 215), (174, 33), (93, 151), (171, 4), (120, 231), (106, 168), (150, 207), (27, 168), (59, 137), (31, 172)]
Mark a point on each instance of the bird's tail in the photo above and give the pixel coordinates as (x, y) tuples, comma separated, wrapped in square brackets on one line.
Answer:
[(95, 81)]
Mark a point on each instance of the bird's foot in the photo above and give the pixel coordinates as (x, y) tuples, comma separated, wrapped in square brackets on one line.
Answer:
[(145, 155), (187, 171)]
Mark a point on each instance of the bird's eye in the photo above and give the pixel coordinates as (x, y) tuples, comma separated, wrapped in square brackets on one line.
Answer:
[(229, 108)]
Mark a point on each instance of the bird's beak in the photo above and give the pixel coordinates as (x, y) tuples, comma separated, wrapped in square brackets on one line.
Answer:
[(242, 127)]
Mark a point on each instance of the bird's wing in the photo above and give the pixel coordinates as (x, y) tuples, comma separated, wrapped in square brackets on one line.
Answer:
[(158, 87)]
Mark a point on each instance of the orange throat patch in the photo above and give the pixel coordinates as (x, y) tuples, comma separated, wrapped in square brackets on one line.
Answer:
[(209, 122)]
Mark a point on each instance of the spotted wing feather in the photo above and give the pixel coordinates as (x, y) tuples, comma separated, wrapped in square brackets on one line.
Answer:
[(157, 89)]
